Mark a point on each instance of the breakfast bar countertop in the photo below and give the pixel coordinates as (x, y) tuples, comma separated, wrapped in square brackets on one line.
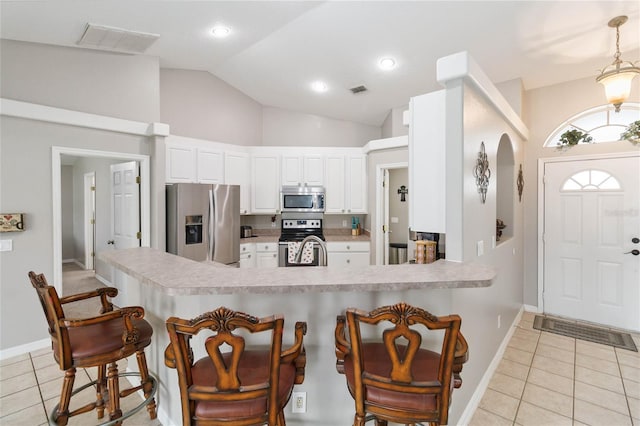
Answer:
[(175, 275)]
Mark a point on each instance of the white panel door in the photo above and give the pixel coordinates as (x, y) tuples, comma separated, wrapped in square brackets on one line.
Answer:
[(125, 194), (591, 218)]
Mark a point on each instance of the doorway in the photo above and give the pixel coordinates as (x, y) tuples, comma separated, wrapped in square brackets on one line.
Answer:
[(591, 225), (89, 202), (392, 214), (145, 198)]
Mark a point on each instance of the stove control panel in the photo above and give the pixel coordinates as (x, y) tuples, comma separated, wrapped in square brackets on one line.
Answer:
[(302, 224)]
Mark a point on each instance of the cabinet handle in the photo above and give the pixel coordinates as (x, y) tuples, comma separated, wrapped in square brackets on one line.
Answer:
[(266, 247), (274, 255), (348, 247), (348, 260), (249, 256)]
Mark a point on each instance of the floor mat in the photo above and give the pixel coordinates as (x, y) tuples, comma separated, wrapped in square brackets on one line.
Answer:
[(585, 332)]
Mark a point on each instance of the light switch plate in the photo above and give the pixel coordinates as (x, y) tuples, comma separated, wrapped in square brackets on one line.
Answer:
[(395, 219), (6, 245), (480, 247)]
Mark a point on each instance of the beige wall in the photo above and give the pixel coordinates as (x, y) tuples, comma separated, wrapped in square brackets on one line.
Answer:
[(545, 109), (290, 128), (199, 105), (110, 84)]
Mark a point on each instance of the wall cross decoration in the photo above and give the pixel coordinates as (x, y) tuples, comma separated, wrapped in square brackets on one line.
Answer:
[(482, 173), (403, 191)]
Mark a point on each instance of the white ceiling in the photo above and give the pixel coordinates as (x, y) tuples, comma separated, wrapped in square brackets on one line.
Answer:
[(278, 48)]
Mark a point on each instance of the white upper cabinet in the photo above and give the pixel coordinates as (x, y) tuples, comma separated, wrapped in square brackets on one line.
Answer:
[(265, 184), (194, 161), (427, 145), (210, 165), (356, 200), (237, 171), (180, 162), (302, 170), (335, 184), (346, 183)]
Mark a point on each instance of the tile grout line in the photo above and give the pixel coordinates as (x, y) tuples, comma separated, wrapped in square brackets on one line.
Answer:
[(33, 369), (526, 379)]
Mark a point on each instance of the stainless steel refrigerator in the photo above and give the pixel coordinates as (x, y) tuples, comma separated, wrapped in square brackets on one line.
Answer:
[(203, 222)]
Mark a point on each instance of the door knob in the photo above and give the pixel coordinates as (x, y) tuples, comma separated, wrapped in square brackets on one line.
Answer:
[(635, 240), (634, 252), (111, 242)]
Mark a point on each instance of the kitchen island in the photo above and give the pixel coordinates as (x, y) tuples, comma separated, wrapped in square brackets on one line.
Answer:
[(167, 285)]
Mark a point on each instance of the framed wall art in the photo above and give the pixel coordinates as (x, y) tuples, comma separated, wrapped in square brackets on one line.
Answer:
[(11, 222)]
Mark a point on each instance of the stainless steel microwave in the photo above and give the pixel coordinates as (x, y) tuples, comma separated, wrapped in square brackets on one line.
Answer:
[(302, 199)]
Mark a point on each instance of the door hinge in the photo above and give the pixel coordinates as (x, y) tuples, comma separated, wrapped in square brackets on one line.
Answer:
[(138, 180), (384, 183), (93, 188), (384, 228), (93, 221), (93, 254), (139, 235)]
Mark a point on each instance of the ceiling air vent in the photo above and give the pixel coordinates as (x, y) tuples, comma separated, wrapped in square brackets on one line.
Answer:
[(116, 39), (358, 89)]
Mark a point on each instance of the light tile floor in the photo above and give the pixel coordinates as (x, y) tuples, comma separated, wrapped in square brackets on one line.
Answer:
[(30, 384), (547, 379)]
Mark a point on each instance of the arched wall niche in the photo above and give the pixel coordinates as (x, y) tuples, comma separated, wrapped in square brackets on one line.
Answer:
[(505, 191)]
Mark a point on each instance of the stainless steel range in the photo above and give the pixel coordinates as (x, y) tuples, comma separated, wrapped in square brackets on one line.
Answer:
[(301, 228)]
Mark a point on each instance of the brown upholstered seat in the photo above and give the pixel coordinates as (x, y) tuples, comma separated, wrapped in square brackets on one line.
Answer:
[(98, 341), (240, 385), (394, 378)]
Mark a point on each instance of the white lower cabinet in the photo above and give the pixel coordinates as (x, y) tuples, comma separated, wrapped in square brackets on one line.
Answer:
[(345, 254), (267, 255), (248, 255)]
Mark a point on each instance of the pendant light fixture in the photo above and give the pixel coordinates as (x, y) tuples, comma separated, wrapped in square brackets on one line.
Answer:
[(616, 78)]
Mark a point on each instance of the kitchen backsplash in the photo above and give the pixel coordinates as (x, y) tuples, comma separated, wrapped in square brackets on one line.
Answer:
[(331, 221)]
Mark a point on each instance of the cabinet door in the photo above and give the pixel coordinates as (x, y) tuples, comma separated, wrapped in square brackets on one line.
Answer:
[(292, 170), (237, 172), (357, 184), (335, 184), (346, 259), (267, 259), (210, 165), (427, 144), (313, 170), (247, 255), (265, 185), (180, 163)]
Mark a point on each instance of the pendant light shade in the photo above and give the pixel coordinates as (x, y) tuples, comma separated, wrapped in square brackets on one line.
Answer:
[(616, 78)]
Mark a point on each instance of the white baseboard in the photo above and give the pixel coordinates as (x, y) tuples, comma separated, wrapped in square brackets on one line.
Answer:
[(103, 280), (531, 308), (23, 349), (473, 403)]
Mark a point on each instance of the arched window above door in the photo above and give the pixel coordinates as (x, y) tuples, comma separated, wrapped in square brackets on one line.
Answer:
[(591, 180), (602, 123)]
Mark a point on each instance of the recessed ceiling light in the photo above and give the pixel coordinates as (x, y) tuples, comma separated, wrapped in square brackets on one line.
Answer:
[(387, 64), (220, 31), (319, 86)]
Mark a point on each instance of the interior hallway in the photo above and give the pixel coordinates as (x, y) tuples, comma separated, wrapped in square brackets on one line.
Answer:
[(543, 379)]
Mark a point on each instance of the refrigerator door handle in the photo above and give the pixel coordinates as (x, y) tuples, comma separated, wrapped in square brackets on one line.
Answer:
[(212, 219)]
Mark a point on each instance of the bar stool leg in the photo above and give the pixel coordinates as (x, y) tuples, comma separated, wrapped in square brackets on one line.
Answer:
[(147, 386), (114, 392), (101, 390), (62, 416)]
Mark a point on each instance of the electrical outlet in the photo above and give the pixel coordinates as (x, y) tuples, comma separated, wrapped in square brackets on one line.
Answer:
[(344, 224), (499, 320), (299, 402)]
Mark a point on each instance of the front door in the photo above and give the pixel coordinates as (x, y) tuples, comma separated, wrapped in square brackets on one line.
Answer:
[(591, 227)]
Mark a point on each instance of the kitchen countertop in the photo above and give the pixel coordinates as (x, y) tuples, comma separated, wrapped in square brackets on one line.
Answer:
[(175, 275)]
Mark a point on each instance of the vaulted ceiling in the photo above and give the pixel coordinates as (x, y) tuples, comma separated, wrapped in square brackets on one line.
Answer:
[(278, 48)]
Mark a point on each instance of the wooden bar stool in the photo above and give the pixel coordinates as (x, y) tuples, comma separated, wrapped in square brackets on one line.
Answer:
[(241, 385), (391, 377), (98, 341)]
